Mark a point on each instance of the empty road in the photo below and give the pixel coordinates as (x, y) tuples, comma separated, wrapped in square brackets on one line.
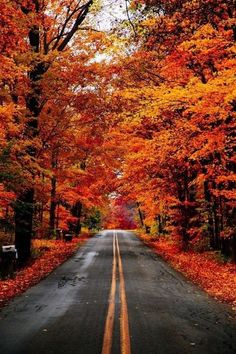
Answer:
[(115, 296)]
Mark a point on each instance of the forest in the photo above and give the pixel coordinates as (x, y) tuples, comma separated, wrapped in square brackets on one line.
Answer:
[(128, 124)]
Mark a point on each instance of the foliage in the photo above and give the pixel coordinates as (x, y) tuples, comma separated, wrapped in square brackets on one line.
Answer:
[(121, 215), (93, 220), (54, 151), (176, 102)]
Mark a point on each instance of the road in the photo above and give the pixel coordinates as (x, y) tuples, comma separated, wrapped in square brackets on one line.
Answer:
[(115, 296)]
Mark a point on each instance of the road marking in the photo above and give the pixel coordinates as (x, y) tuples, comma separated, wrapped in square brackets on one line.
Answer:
[(124, 320), (107, 339)]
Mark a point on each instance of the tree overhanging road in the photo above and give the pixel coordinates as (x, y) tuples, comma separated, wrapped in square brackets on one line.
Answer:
[(116, 296)]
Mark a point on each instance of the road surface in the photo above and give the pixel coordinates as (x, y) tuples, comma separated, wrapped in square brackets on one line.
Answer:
[(116, 296)]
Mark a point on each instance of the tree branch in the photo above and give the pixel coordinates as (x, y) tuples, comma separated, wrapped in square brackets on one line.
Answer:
[(80, 18), (129, 19)]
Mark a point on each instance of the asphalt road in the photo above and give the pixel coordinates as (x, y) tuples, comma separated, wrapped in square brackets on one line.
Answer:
[(116, 296)]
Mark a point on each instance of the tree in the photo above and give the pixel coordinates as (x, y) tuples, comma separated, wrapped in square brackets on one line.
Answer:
[(178, 105), (52, 26)]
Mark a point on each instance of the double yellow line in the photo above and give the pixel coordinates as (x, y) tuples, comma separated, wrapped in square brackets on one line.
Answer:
[(124, 320)]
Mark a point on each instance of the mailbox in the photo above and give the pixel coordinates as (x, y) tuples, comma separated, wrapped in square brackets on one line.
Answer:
[(9, 251), (8, 257), (68, 237)]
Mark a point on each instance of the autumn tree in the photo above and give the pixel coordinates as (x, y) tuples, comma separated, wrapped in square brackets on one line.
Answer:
[(121, 214), (151, 121), (178, 115), (51, 27)]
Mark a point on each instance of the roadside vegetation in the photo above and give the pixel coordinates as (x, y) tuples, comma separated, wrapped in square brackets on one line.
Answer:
[(212, 272), (46, 256)]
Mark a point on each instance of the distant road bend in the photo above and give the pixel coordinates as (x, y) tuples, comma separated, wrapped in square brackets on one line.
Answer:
[(116, 296)]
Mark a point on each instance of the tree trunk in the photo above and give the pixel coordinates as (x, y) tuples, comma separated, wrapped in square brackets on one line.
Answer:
[(41, 220), (140, 215), (233, 249), (147, 229), (216, 225), (58, 216), (53, 205), (24, 205), (77, 212), (53, 201), (160, 225), (24, 208), (211, 230)]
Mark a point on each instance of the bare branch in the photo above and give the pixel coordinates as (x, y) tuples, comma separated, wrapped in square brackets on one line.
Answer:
[(80, 18), (129, 19)]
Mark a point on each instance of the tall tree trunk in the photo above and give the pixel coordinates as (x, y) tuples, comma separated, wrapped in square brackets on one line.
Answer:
[(53, 201), (41, 219), (160, 224), (233, 249), (77, 212), (58, 215), (140, 215), (208, 199), (24, 208), (23, 224), (53, 205), (216, 225)]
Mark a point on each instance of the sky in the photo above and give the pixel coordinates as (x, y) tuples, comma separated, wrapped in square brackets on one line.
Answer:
[(112, 11)]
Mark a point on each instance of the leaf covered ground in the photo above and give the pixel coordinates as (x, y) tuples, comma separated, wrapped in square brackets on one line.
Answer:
[(48, 254), (205, 269)]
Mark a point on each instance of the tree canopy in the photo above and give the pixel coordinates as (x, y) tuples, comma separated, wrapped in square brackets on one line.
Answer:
[(137, 121)]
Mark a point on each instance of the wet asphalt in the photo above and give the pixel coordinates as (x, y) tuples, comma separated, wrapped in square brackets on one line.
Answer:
[(66, 312)]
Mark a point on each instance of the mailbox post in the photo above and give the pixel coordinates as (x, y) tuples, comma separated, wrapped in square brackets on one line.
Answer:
[(59, 234)]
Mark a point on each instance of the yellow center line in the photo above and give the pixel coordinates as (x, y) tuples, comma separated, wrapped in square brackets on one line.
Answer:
[(124, 320), (107, 339)]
